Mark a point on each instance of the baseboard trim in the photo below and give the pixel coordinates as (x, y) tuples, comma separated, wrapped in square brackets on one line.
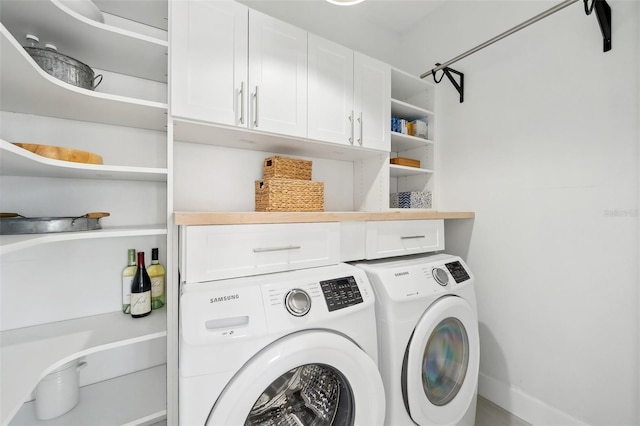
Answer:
[(522, 405)]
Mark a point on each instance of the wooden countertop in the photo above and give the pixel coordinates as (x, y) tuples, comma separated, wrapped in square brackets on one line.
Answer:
[(236, 218)]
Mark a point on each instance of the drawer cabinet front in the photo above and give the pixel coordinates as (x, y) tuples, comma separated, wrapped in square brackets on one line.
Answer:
[(402, 237), (227, 251)]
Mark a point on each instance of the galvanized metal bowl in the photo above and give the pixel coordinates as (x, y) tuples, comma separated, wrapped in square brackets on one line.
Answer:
[(16, 224), (65, 68)]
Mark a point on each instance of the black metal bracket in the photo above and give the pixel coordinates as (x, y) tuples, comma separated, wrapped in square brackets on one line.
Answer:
[(603, 14), (447, 71)]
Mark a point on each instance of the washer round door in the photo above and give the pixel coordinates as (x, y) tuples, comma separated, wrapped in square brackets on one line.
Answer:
[(440, 370), (307, 378)]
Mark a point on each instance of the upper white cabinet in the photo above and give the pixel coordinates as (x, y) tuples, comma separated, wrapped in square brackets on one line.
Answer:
[(277, 76), (209, 48), (238, 67), (349, 96)]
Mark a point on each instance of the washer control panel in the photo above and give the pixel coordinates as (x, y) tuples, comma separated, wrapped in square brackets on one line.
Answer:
[(341, 293)]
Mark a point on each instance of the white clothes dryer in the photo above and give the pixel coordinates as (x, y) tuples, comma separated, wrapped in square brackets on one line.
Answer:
[(289, 348), (428, 338)]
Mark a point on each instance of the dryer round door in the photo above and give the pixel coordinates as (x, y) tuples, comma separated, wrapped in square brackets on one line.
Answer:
[(311, 378), (440, 370)]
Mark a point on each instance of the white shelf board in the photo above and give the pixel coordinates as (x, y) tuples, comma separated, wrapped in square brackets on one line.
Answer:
[(134, 399), (29, 354), (400, 171), (28, 89), (11, 243), (232, 137), (96, 44), (16, 161), (408, 111), (402, 142), (405, 86), (152, 13)]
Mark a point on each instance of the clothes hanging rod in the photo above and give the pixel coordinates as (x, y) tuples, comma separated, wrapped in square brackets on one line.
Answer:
[(501, 36)]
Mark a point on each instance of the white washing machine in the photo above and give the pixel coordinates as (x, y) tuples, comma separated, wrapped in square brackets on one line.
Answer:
[(290, 348), (428, 338)]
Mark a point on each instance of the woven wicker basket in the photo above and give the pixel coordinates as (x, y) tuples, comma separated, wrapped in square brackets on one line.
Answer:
[(289, 195), (286, 168)]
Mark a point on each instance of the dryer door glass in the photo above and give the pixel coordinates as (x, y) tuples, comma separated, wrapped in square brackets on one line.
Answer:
[(312, 394), (445, 361)]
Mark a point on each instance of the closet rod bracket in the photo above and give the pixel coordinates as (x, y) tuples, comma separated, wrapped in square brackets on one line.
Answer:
[(603, 15), (448, 72)]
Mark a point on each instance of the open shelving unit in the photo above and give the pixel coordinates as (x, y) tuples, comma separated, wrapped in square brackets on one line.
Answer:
[(413, 99), (28, 354), (15, 161), (140, 398), (26, 88), (102, 46), (29, 94)]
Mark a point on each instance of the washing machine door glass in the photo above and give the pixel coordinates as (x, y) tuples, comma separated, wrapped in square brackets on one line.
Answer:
[(311, 394), (440, 369), (313, 378)]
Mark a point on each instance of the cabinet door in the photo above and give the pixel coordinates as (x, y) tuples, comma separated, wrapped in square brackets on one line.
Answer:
[(277, 76), (209, 47), (330, 91), (372, 97)]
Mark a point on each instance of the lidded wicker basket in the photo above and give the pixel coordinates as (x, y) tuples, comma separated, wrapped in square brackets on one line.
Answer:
[(286, 168)]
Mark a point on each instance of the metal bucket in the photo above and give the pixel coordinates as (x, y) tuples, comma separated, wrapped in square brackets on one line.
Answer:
[(65, 68)]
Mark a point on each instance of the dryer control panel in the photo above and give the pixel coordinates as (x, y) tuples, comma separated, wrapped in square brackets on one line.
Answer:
[(457, 271)]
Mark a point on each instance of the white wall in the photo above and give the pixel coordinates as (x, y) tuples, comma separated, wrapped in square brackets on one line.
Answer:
[(233, 172), (545, 150)]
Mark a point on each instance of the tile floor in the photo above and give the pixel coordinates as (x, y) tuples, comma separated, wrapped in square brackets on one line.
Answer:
[(489, 414)]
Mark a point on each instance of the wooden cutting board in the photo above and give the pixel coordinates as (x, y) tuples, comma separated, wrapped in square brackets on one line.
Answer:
[(61, 153), (402, 161)]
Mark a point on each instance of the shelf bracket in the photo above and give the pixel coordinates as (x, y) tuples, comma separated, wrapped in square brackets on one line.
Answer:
[(603, 14), (448, 72)]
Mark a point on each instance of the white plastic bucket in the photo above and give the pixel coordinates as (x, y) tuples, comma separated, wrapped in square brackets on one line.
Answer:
[(57, 392)]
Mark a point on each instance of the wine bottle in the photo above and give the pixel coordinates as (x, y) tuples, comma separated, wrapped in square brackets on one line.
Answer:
[(157, 274), (141, 290), (127, 275)]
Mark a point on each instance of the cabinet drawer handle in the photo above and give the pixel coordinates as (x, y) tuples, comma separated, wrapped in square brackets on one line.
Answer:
[(264, 249), (361, 135), (412, 237), (255, 119), (242, 102)]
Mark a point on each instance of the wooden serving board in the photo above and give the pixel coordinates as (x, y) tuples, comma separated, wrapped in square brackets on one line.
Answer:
[(61, 153), (402, 161)]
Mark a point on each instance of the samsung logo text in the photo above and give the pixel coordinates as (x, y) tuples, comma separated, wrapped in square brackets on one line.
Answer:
[(224, 298)]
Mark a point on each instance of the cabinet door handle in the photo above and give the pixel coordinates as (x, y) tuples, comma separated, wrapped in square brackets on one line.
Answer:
[(361, 135), (255, 118), (264, 249), (242, 102), (412, 237), (352, 125)]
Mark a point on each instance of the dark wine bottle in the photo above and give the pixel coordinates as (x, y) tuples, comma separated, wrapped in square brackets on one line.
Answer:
[(141, 290)]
